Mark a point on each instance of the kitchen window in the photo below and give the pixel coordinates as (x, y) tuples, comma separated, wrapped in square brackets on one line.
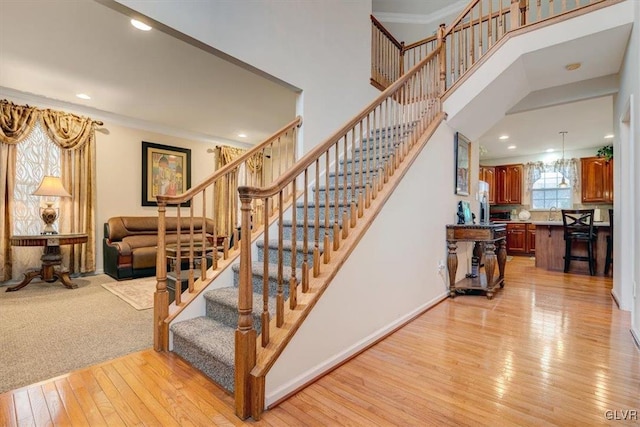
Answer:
[(547, 193)]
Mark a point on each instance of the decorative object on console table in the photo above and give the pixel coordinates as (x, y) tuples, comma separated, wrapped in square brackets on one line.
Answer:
[(166, 171), (493, 238), (51, 186), (606, 152), (463, 164)]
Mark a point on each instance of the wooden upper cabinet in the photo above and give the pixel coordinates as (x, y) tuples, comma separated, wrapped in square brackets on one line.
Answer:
[(509, 184), (596, 180), (488, 175)]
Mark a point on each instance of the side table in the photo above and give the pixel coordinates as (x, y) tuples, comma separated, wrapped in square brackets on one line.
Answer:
[(494, 237), (51, 268)]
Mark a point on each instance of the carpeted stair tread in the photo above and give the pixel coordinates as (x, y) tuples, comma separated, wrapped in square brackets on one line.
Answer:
[(287, 245), (257, 269), (222, 305), (209, 346)]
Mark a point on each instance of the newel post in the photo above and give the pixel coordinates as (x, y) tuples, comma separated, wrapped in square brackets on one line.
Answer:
[(442, 58), (161, 296), (515, 14), (245, 339)]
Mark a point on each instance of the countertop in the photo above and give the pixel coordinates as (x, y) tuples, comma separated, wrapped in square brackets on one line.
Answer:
[(559, 223)]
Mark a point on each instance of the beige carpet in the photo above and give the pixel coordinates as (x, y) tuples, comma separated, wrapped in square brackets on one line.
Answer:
[(138, 292), (47, 330)]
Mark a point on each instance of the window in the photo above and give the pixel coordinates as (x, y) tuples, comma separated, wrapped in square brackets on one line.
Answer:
[(36, 157), (546, 193)]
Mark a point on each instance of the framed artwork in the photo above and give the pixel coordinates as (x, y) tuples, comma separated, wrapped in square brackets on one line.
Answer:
[(166, 171), (463, 164)]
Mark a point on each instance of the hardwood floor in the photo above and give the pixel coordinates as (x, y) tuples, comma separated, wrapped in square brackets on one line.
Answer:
[(549, 349)]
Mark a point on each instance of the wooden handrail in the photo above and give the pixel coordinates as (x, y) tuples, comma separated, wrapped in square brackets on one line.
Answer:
[(460, 17), (188, 195), (308, 159), (217, 200), (421, 42), (386, 32)]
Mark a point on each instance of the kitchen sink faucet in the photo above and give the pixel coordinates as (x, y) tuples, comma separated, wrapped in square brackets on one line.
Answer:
[(551, 211)]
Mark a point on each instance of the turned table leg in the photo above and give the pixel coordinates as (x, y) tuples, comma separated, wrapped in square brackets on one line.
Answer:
[(452, 267), (489, 266)]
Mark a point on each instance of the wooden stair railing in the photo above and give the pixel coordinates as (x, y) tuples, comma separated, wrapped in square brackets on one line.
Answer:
[(479, 27), (214, 201), (321, 225)]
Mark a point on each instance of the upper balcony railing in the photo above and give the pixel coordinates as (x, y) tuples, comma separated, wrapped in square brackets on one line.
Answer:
[(480, 26)]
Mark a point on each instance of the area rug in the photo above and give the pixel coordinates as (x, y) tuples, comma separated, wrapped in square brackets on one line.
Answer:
[(138, 292)]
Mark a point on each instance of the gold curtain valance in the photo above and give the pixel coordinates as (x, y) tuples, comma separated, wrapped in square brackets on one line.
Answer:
[(67, 130), (229, 154), (16, 121)]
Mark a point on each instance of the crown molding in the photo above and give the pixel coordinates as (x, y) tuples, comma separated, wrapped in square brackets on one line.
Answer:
[(412, 18), (117, 119)]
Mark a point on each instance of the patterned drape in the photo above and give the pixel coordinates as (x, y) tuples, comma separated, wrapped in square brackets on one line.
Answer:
[(75, 136)]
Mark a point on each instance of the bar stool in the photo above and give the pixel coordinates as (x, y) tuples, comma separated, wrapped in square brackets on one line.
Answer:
[(578, 228), (609, 257)]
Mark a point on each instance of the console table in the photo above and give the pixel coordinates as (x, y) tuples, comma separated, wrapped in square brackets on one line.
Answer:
[(494, 239), (51, 268)]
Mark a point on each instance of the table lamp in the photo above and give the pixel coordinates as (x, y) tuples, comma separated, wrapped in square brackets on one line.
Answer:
[(51, 186)]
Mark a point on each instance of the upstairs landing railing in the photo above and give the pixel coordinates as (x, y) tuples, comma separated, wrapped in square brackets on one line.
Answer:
[(199, 252), (480, 26), (357, 161)]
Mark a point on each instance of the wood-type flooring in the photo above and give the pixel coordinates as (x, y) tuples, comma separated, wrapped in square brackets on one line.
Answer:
[(549, 349)]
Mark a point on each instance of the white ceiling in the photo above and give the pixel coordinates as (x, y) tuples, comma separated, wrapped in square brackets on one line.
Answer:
[(58, 48)]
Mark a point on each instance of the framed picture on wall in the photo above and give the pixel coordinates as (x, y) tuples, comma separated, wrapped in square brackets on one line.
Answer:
[(462, 164), (166, 171)]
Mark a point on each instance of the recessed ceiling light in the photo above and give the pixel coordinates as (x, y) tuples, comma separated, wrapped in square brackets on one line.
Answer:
[(573, 66), (140, 25), (550, 150), (511, 147), (83, 96), (610, 136), (503, 137), (242, 135)]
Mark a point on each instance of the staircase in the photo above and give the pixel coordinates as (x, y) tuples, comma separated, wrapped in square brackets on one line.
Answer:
[(207, 342)]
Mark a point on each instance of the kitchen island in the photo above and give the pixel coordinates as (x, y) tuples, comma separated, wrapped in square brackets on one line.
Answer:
[(550, 247)]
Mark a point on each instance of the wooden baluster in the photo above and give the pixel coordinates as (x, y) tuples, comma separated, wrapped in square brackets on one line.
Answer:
[(336, 207), (177, 270), (345, 189), (538, 10), (353, 204), (490, 20), (325, 246), (293, 281), (305, 234), (214, 264), (266, 316), (551, 9), (245, 336), (191, 250), (316, 220), (442, 59), (280, 289), (362, 180), (355, 178), (203, 237)]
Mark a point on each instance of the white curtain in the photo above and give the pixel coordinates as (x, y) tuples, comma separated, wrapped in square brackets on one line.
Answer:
[(37, 155)]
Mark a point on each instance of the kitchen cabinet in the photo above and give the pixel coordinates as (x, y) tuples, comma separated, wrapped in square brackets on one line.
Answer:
[(508, 180), (521, 238), (596, 180), (488, 175)]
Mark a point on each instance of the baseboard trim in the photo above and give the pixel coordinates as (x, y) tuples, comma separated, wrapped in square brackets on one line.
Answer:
[(615, 298), (312, 375), (636, 337)]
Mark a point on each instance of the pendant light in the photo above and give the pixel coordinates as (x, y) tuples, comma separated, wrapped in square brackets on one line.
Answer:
[(563, 183)]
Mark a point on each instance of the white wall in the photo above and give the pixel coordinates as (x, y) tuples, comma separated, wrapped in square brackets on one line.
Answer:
[(390, 276), (321, 47), (627, 181)]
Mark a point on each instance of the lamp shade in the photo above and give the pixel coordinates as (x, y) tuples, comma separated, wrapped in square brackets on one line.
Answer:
[(51, 186)]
